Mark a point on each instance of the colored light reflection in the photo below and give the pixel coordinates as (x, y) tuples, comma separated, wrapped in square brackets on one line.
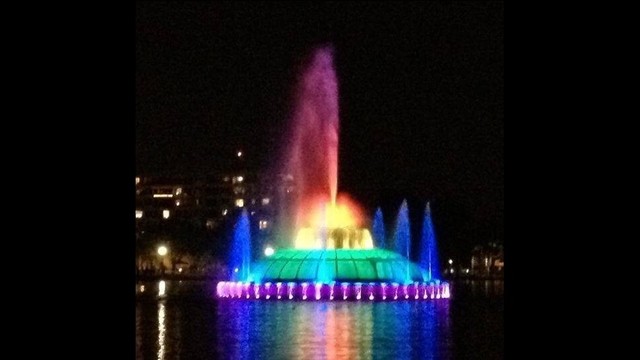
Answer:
[(322, 291), (162, 329)]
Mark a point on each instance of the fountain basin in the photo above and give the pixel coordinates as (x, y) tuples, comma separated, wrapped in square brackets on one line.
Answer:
[(335, 274)]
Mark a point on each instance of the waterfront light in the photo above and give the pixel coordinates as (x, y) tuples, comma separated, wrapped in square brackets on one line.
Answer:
[(268, 251)]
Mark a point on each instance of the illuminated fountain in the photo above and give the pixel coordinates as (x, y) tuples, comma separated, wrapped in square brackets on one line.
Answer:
[(379, 234), (333, 255), (428, 249)]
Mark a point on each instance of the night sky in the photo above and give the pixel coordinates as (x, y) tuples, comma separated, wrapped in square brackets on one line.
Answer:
[(421, 99)]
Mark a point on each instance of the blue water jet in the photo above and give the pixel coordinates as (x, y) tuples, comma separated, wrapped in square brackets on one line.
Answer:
[(240, 260), (379, 235), (402, 236), (428, 247)]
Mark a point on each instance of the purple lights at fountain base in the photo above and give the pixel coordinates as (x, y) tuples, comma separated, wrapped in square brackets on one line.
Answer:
[(309, 291)]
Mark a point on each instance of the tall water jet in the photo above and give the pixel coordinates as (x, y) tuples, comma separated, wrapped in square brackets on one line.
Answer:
[(428, 248), (313, 154), (240, 258), (322, 218), (379, 235), (402, 235)]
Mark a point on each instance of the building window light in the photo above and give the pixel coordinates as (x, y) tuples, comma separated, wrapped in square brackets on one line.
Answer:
[(224, 212), (139, 214), (162, 195), (178, 191), (239, 202), (263, 224), (137, 180), (166, 213), (265, 201)]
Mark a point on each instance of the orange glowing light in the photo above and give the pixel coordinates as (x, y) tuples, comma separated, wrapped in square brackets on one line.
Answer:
[(332, 225)]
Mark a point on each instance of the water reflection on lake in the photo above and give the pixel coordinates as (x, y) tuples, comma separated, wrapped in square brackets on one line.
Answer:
[(184, 320)]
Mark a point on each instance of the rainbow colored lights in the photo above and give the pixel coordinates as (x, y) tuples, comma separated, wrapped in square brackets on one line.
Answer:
[(333, 256), (334, 290)]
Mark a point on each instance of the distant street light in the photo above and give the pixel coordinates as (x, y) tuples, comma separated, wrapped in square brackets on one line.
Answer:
[(450, 261), (162, 250), (268, 251)]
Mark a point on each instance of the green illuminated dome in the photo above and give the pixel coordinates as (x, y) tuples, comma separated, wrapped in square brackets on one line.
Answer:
[(320, 265)]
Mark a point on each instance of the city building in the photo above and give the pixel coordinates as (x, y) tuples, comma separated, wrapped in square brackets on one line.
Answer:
[(487, 260), (192, 217)]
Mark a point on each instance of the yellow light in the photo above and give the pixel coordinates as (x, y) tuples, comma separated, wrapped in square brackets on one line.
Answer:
[(162, 250), (239, 202), (263, 224), (166, 213), (333, 225), (180, 270), (162, 195)]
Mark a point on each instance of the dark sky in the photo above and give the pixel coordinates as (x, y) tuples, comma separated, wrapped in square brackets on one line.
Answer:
[(421, 98)]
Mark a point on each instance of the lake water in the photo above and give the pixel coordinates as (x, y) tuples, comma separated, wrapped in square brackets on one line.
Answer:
[(189, 322)]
